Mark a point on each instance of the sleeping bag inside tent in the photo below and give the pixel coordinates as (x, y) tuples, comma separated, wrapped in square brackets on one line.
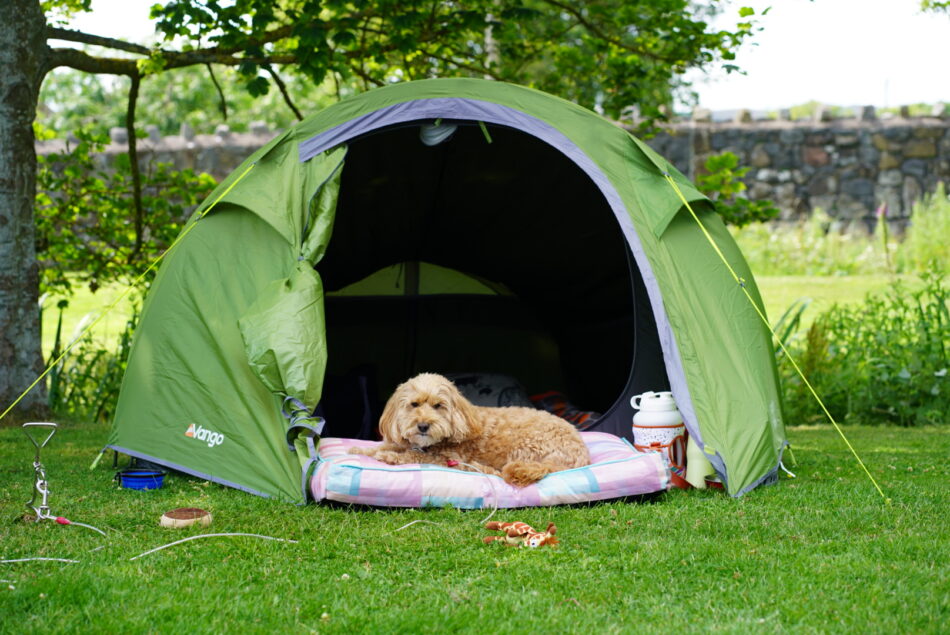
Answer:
[(452, 226)]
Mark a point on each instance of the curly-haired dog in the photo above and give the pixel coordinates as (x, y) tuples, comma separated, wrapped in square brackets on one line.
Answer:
[(427, 420)]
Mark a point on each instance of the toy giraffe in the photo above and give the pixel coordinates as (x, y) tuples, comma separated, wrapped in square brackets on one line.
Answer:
[(521, 534)]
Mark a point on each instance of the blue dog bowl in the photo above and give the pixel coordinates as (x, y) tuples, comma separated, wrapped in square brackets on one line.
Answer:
[(141, 479)]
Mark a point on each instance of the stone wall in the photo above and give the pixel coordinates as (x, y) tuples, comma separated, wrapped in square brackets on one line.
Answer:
[(847, 167), (217, 154)]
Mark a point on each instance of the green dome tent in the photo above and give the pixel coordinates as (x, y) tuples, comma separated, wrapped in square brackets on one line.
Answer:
[(454, 225)]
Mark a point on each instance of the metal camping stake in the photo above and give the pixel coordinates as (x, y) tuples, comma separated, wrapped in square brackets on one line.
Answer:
[(40, 486)]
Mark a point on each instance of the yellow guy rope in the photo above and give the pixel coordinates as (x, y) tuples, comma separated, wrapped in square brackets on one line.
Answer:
[(765, 321), (124, 293)]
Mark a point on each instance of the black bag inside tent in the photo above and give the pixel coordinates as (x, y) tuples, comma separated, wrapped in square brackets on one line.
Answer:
[(569, 311)]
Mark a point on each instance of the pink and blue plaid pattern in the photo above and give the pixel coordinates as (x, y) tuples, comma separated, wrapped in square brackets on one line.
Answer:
[(616, 470)]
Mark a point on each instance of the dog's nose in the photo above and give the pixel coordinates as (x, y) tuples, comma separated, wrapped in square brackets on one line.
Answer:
[(423, 428)]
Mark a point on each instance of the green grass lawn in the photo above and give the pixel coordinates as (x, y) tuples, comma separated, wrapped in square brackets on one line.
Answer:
[(779, 292), (818, 553)]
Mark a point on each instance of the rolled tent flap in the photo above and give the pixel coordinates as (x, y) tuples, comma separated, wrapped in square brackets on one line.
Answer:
[(284, 335), (322, 210), (284, 330)]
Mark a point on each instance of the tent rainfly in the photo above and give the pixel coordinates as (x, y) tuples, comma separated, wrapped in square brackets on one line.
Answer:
[(449, 225)]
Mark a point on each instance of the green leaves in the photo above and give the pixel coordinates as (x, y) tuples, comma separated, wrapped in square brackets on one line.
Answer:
[(609, 55), (154, 63), (723, 184), (84, 212), (257, 86), (59, 11), (935, 6)]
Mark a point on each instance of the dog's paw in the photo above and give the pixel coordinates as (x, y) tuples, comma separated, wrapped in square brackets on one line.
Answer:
[(390, 457), (363, 451), (522, 474)]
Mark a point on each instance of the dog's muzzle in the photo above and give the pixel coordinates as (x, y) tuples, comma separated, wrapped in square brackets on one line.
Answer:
[(421, 438)]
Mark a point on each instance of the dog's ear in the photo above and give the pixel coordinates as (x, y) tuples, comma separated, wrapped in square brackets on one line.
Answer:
[(465, 422), (388, 426)]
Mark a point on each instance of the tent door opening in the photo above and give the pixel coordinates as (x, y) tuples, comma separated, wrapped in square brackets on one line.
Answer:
[(476, 256)]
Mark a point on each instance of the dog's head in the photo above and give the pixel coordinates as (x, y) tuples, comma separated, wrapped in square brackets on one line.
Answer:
[(428, 410)]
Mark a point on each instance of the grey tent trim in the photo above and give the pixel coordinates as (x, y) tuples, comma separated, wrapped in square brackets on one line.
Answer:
[(770, 477), (476, 110)]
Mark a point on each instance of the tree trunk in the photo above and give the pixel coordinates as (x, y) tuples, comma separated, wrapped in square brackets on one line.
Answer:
[(23, 54)]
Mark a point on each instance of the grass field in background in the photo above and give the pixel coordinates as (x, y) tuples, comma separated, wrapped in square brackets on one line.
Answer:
[(819, 553), (85, 307), (779, 292)]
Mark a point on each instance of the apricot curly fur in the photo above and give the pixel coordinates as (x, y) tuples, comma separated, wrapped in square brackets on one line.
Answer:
[(427, 420)]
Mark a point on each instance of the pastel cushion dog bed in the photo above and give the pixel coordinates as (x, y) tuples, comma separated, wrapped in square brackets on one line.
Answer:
[(616, 470)]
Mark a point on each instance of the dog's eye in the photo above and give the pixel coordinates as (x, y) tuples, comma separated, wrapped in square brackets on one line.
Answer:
[(414, 404), (437, 406)]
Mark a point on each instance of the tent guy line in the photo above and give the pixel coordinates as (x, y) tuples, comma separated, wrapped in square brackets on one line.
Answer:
[(741, 282)]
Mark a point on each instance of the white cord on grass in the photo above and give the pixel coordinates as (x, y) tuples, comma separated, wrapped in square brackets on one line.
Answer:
[(73, 522), (171, 544), (494, 501), (45, 559), (428, 522)]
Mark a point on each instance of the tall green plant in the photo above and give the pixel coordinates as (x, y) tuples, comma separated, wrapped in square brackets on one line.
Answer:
[(927, 242), (786, 327), (812, 247), (84, 383), (815, 246), (885, 361)]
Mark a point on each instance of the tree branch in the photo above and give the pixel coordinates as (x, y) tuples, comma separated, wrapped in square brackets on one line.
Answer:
[(68, 35), (487, 72), (134, 165), (226, 56), (82, 61), (224, 102), (366, 77), (283, 91), (599, 32)]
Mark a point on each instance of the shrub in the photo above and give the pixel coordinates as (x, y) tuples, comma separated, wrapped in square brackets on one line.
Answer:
[(722, 183), (818, 247), (85, 215), (885, 361)]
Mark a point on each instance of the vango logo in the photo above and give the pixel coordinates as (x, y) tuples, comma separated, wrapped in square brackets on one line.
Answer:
[(203, 434)]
